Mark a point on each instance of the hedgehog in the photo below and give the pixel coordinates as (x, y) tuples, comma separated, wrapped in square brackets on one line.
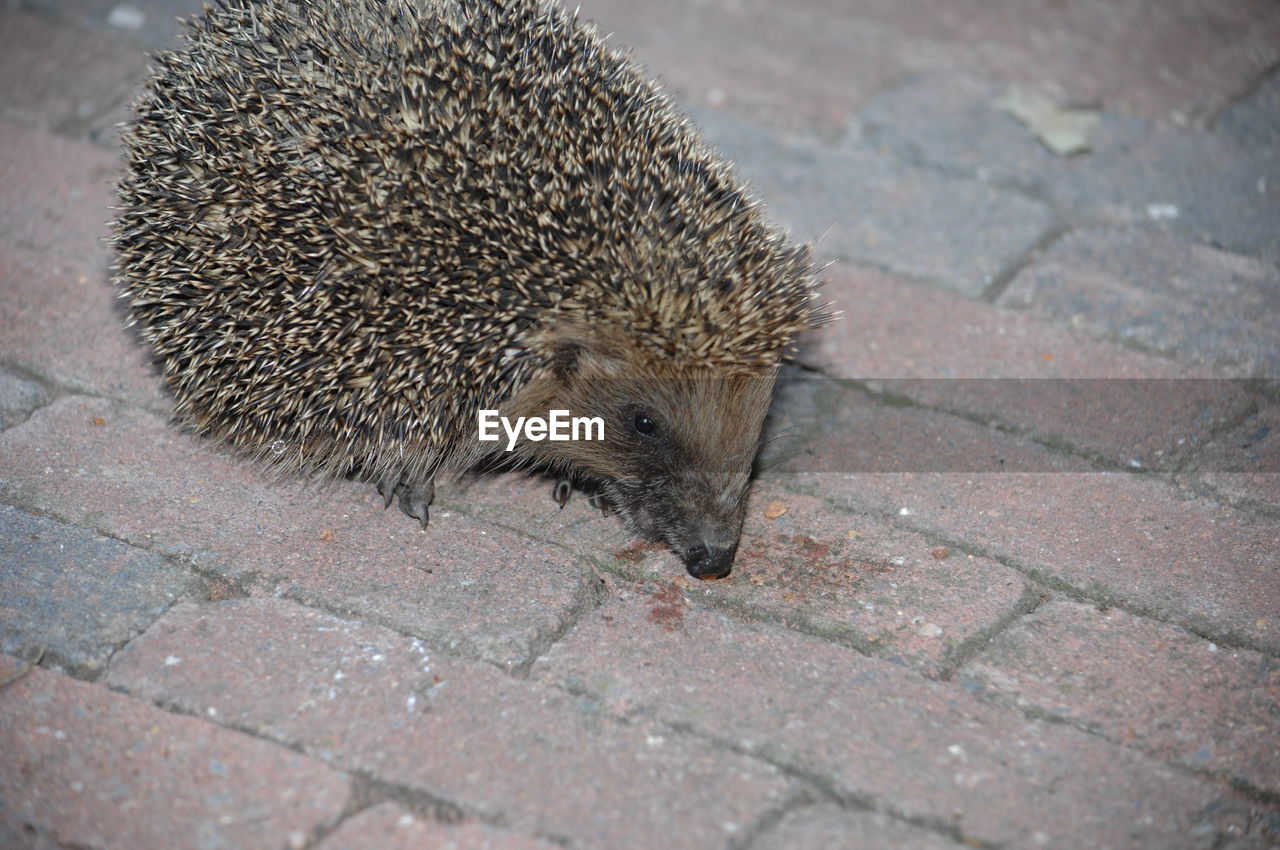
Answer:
[(347, 228)]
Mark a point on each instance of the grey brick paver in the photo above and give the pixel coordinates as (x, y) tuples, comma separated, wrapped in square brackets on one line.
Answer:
[(863, 206), (892, 328), (828, 827), (18, 397), (1244, 463), (1120, 537), (1003, 367), (1255, 120), (90, 768), (74, 595), (1194, 302), (1184, 60), (1205, 187)]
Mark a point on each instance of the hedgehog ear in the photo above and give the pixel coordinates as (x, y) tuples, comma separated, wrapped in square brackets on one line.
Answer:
[(575, 349), (564, 360)]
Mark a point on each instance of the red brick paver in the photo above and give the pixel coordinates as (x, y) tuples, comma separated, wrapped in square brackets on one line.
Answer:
[(1153, 686), (130, 473), (370, 700), (873, 730), (92, 768)]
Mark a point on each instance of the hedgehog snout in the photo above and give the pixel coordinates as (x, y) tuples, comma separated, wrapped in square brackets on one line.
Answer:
[(708, 562), (709, 549)]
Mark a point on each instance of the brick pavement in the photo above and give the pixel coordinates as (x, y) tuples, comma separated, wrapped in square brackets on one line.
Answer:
[(1010, 577)]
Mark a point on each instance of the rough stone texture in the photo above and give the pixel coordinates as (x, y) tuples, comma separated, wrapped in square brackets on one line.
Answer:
[(389, 827), (371, 700), (861, 205), (18, 397), (1148, 685), (828, 827), (478, 589), (74, 595), (1204, 186), (1120, 538), (908, 746), (84, 767), (1190, 301)]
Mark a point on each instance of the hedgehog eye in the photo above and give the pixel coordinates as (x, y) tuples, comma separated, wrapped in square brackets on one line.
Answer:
[(644, 425)]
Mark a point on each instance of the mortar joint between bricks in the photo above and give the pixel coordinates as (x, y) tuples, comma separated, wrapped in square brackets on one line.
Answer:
[(802, 798), (973, 646), (369, 791), (1096, 595), (1211, 119), (1228, 424), (590, 596), (1056, 445), (1000, 281), (826, 790), (1196, 484)]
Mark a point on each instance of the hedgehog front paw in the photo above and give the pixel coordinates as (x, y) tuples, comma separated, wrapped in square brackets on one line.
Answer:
[(563, 489), (415, 498)]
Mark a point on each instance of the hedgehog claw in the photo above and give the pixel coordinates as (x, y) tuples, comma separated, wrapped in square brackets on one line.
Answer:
[(562, 491), (414, 508), (415, 499), (597, 500), (387, 485)]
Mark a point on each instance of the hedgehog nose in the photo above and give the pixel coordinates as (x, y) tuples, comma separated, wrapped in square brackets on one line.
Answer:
[(706, 562)]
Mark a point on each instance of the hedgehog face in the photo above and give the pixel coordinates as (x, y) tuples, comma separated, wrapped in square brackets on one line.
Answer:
[(678, 443), (685, 457)]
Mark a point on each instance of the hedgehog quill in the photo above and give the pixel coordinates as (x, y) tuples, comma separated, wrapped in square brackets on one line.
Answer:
[(348, 226)]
